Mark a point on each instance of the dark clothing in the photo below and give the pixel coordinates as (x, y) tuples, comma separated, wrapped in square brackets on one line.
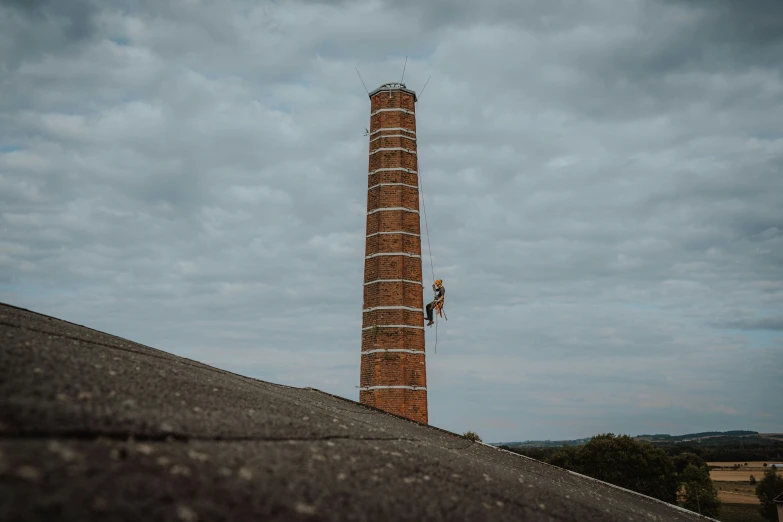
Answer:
[(429, 310), (440, 293)]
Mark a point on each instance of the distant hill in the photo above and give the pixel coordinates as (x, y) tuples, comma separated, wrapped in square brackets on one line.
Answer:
[(711, 446), (656, 438), (695, 436)]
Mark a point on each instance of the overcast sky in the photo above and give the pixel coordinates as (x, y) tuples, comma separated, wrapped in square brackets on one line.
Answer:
[(603, 183)]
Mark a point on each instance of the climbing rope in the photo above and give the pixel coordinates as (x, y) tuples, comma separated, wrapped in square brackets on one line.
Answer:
[(429, 246), (426, 226)]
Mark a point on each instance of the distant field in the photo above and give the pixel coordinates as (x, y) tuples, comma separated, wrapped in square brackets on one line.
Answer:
[(742, 475), (740, 503), (728, 480), (736, 493), (755, 464), (740, 513)]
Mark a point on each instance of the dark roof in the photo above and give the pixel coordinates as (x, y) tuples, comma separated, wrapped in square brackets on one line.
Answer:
[(98, 427)]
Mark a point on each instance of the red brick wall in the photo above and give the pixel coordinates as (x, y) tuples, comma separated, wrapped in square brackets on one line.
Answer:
[(393, 368)]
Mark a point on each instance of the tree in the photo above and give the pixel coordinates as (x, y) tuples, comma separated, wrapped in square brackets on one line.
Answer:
[(767, 489), (472, 435), (700, 494), (566, 458), (682, 460), (625, 462)]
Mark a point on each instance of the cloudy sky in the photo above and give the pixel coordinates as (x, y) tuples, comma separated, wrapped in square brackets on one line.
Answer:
[(603, 184)]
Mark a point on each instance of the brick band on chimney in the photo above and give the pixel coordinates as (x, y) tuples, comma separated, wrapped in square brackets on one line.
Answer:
[(393, 366)]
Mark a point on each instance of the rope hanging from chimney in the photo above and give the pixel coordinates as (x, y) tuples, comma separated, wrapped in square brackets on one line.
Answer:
[(429, 246), (426, 225), (438, 310)]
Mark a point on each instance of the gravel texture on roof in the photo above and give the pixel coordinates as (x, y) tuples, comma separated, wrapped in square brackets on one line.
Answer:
[(95, 427)]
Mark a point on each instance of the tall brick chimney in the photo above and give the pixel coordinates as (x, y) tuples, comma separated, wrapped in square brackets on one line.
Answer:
[(393, 369)]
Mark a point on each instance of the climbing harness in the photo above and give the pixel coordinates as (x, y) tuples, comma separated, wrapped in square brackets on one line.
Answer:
[(439, 310)]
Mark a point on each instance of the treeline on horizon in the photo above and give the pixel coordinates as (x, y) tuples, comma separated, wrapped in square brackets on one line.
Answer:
[(715, 451), (732, 433), (674, 473), (654, 437)]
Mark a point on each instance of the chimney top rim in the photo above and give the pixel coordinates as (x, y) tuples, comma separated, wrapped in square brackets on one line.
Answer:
[(393, 86)]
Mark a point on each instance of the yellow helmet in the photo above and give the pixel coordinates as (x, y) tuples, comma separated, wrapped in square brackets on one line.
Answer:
[(438, 282)]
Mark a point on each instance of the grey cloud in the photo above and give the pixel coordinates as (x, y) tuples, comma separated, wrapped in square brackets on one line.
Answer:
[(760, 323), (597, 203), (30, 30), (755, 22)]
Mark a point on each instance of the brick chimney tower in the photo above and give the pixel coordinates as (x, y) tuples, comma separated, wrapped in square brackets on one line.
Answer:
[(393, 369)]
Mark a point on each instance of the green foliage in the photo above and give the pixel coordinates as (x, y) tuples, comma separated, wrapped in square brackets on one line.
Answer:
[(642, 467), (758, 450), (472, 435), (682, 461), (707, 454), (767, 489), (699, 494), (568, 458), (712, 449), (541, 454), (625, 462)]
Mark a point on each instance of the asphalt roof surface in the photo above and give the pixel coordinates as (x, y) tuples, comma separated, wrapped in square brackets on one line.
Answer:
[(95, 427)]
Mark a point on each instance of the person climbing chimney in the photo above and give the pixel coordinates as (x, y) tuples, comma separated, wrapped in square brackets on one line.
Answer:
[(440, 295)]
